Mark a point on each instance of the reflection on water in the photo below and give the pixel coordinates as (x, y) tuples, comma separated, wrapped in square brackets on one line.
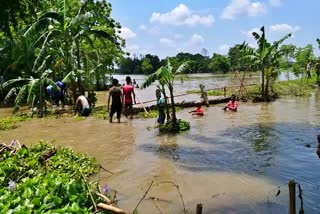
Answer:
[(229, 161)]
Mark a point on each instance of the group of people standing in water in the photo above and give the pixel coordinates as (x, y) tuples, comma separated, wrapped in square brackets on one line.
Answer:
[(123, 99)]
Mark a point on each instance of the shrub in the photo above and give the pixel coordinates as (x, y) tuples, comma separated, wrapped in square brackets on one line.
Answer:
[(174, 127)]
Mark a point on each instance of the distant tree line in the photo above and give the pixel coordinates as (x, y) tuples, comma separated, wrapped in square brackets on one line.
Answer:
[(295, 58)]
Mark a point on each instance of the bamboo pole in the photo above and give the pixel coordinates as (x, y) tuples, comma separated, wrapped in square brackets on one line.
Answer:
[(199, 209), (292, 197), (112, 208), (141, 104)]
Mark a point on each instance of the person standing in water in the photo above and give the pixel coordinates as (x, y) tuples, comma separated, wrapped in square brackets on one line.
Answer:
[(160, 105), (232, 104), (128, 91), (117, 100)]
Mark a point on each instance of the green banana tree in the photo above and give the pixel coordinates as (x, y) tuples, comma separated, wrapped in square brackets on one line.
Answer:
[(71, 33), (266, 58), (30, 90), (166, 76)]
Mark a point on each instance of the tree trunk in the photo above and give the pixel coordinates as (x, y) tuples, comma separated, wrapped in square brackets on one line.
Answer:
[(262, 85), (266, 90), (166, 103), (41, 97), (174, 117)]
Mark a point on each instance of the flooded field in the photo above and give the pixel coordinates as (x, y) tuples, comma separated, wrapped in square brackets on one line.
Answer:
[(232, 162)]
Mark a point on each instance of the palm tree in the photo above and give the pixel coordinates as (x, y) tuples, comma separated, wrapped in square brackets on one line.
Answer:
[(166, 76), (266, 58)]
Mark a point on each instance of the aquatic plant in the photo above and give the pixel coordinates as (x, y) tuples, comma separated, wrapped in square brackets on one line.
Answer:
[(174, 127), (44, 179), (12, 122)]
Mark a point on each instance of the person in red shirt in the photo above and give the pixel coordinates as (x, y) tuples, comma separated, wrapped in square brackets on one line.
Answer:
[(198, 111), (128, 91), (232, 105)]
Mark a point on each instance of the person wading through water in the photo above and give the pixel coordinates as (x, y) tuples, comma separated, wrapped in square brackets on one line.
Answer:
[(128, 91), (117, 100), (160, 105)]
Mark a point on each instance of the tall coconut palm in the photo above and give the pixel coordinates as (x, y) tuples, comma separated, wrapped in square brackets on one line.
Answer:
[(266, 58), (166, 76)]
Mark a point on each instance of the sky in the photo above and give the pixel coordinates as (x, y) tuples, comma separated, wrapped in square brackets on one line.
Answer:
[(167, 27)]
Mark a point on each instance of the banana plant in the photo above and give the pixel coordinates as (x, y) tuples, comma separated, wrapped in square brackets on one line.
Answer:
[(266, 58), (166, 76), (30, 90)]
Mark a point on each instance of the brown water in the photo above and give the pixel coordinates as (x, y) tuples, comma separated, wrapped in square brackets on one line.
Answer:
[(230, 162)]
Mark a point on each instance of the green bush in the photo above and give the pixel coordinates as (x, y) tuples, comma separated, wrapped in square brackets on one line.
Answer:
[(174, 127)]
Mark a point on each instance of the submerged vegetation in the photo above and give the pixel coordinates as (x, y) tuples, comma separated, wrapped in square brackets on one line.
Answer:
[(12, 122), (44, 178)]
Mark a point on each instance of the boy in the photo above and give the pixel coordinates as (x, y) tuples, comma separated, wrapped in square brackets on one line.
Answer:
[(232, 104), (198, 111)]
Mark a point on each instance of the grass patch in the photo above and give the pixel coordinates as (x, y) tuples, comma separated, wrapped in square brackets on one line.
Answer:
[(12, 122), (100, 112), (150, 114), (301, 87)]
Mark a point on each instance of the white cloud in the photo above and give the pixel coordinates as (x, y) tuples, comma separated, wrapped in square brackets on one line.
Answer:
[(142, 27), (181, 15), (243, 7), (168, 42), (223, 49), (249, 32), (196, 40), (127, 33), (154, 31), (284, 28), (275, 3), (133, 47)]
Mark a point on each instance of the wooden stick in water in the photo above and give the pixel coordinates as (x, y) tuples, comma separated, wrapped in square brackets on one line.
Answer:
[(141, 104)]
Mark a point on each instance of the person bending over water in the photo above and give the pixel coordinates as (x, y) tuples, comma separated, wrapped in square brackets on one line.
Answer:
[(117, 100), (198, 111), (160, 105), (232, 105), (83, 106)]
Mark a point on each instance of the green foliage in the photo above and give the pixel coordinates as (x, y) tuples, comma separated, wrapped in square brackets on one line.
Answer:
[(235, 54), (100, 112), (41, 183), (174, 127), (12, 122), (294, 87), (219, 63), (151, 114), (266, 58), (146, 66)]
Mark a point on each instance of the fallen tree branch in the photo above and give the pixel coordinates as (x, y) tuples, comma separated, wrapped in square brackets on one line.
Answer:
[(105, 198), (177, 187), (156, 205), (112, 208), (101, 167), (94, 203), (145, 194)]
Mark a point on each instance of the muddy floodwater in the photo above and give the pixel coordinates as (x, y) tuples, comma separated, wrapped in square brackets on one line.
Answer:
[(231, 162)]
